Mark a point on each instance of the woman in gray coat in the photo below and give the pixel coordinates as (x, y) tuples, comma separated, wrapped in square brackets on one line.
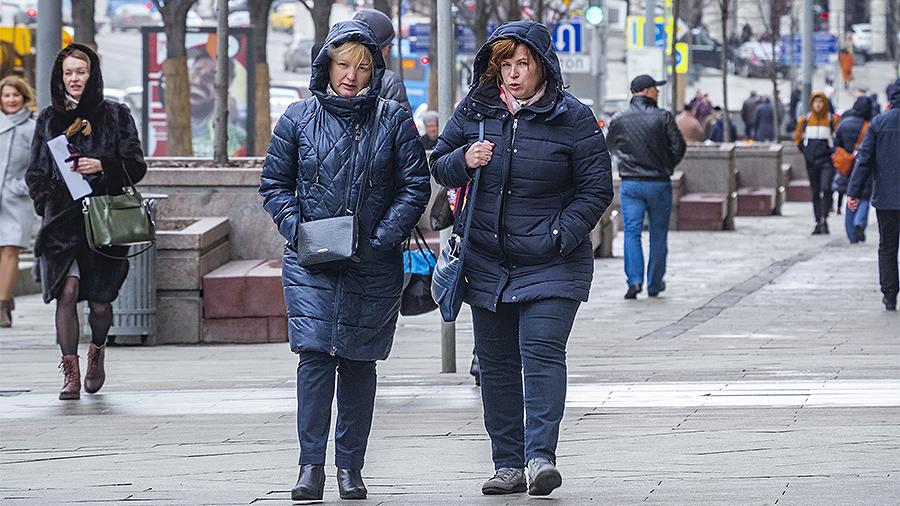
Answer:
[(16, 213)]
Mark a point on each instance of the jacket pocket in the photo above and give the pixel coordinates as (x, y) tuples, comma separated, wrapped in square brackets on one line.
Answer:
[(536, 246)]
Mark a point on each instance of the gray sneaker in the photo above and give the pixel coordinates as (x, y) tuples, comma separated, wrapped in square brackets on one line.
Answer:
[(543, 477), (507, 480)]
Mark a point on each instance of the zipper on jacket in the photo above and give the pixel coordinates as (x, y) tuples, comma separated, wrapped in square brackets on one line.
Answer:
[(334, 317), (504, 188), (356, 136)]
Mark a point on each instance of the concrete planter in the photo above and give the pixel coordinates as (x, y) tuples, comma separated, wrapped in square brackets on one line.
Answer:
[(710, 168), (187, 249), (760, 176)]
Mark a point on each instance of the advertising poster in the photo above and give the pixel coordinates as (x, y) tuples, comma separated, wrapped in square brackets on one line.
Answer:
[(200, 44)]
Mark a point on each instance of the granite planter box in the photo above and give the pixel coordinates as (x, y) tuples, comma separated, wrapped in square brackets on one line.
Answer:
[(187, 250), (710, 169), (760, 178)]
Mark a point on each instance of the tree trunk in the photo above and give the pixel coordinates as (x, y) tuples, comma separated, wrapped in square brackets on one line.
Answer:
[(675, 12), (220, 130), (321, 14), (775, 29), (259, 18), (178, 90), (480, 25), (726, 123), (433, 54), (512, 10), (83, 22)]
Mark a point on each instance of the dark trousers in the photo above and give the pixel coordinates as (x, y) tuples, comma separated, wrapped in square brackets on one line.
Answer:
[(355, 403), (889, 240), (529, 338), (820, 176)]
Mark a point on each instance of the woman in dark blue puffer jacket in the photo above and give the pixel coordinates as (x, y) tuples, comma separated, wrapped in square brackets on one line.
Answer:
[(342, 316), (544, 185)]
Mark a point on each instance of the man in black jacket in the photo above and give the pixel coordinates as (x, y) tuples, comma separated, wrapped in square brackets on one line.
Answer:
[(647, 145), (382, 27)]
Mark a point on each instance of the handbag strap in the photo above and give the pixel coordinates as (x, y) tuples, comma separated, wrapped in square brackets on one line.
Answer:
[(862, 133), (376, 118), (470, 202)]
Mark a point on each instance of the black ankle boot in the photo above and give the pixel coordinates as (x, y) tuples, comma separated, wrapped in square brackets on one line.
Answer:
[(310, 484), (475, 370), (350, 484)]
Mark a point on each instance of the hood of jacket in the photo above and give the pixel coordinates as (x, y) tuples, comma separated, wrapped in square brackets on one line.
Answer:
[(91, 98), (862, 108), (319, 79), (894, 97), (534, 35), (822, 116)]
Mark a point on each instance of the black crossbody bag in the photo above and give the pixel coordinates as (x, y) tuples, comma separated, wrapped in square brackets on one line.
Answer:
[(336, 239)]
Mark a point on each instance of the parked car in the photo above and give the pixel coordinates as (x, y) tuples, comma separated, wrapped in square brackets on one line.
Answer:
[(705, 51), (284, 93), (297, 55), (754, 59), (282, 17), (861, 37), (133, 17)]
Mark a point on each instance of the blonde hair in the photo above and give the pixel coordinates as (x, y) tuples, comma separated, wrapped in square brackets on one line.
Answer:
[(22, 87), (504, 49), (353, 51)]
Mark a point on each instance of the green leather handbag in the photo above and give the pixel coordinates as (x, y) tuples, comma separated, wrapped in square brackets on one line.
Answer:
[(118, 220)]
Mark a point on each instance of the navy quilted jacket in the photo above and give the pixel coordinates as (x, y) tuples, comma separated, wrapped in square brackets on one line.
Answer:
[(347, 309), (545, 188)]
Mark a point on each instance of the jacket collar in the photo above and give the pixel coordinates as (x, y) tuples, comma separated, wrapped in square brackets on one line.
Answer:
[(643, 103)]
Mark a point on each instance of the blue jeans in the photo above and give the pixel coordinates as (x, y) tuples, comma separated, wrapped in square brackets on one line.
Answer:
[(853, 218), (524, 339), (655, 199), (356, 382)]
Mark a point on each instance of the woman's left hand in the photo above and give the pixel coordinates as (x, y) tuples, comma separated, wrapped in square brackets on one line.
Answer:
[(85, 165)]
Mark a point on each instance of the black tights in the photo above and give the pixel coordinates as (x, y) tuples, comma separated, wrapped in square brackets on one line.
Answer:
[(67, 331)]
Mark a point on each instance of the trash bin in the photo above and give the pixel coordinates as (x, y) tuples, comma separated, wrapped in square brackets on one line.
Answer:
[(134, 311)]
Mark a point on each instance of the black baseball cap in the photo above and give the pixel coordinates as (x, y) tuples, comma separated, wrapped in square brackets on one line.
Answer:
[(643, 81)]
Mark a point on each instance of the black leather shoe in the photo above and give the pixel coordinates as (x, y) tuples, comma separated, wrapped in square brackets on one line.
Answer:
[(350, 484), (662, 288), (632, 292), (860, 233), (890, 302), (310, 485), (817, 230), (475, 370), (825, 228), (543, 477)]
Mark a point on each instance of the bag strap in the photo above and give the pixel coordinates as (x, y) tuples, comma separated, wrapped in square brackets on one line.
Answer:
[(376, 118), (862, 133), (470, 202)]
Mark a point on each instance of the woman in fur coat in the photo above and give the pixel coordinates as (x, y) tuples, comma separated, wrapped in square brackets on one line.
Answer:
[(104, 143)]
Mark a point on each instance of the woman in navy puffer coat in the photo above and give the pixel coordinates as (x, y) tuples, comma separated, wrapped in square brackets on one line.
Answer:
[(544, 185), (342, 316)]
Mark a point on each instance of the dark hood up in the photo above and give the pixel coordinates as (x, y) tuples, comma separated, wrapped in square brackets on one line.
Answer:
[(346, 31), (91, 99), (534, 35), (894, 97), (862, 108)]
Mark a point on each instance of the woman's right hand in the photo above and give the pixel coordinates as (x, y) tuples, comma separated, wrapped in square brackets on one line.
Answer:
[(479, 154)]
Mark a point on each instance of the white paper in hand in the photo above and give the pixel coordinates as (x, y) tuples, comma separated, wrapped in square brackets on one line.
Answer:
[(75, 182)]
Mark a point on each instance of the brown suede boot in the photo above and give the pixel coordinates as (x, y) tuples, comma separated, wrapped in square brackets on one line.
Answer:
[(96, 374), (71, 378), (6, 307)]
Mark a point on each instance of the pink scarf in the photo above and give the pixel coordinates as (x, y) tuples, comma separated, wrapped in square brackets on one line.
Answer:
[(514, 104)]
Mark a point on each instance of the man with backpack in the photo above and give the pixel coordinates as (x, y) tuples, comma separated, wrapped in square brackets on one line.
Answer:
[(815, 138), (877, 160)]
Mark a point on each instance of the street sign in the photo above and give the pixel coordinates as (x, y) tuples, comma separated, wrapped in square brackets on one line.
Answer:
[(824, 47), (681, 58), (567, 37), (575, 63), (634, 32)]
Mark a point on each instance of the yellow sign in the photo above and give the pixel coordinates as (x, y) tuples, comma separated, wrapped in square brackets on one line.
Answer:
[(634, 32), (681, 58)]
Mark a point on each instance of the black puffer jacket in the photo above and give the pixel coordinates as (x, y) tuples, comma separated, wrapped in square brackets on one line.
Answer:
[(392, 88), (349, 309), (845, 136), (646, 140), (545, 188), (114, 141)]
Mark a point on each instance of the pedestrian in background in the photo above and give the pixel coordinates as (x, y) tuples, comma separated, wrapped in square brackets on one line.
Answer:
[(648, 145), (104, 144), (877, 161), (847, 137), (330, 152), (716, 127), (432, 121), (701, 106), (747, 109), (688, 125), (16, 211), (545, 182), (763, 118), (814, 137), (845, 60), (392, 87), (796, 97)]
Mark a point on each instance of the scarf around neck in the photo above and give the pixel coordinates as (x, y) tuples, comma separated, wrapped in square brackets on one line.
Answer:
[(514, 104), (330, 91), (79, 124)]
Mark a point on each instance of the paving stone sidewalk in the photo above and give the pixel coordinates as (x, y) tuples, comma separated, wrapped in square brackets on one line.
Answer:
[(768, 373)]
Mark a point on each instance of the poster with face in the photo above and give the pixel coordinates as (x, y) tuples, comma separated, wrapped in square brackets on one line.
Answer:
[(200, 45)]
